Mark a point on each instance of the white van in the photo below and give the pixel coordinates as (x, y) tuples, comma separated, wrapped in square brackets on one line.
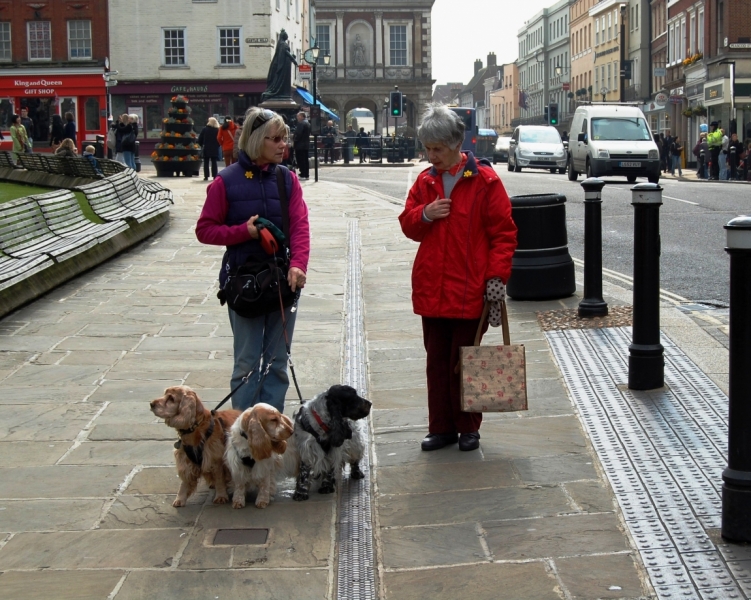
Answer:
[(612, 139)]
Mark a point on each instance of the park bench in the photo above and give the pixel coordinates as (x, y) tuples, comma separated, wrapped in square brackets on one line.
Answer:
[(54, 164), (13, 270), (24, 233), (107, 205), (79, 167), (127, 188), (32, 162), (66, 219), (6, 160), (151, 190), (110, 167)]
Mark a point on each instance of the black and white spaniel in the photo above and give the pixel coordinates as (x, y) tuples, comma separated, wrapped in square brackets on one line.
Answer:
[(326, 436)]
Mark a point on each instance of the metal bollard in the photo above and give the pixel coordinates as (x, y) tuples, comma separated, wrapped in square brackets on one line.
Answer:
[(646, 364), (736, 487), (702, 164), (592, 305), (732, 171)]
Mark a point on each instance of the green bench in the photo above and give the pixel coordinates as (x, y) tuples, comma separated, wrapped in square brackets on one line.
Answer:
[(66, 219)]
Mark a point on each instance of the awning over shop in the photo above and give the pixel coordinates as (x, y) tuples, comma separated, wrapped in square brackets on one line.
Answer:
[(308, 99)]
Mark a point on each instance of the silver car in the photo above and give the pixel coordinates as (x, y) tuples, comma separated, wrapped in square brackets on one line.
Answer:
[(536, 147)]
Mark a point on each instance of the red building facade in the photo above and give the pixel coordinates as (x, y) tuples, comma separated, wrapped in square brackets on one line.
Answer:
[(52, 57)]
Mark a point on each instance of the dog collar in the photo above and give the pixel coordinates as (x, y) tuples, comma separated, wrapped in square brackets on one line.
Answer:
[(320, 422), (195, 453)]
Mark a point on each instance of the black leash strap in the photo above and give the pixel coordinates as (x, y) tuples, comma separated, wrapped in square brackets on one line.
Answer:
[(237, 387)]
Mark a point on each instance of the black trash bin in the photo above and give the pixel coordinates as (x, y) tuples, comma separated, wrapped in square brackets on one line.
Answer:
[(542, 268), (137, 155), (99, 147)]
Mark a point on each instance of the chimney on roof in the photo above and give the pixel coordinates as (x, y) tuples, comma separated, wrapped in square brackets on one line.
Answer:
[(478, 66), (491, 60)]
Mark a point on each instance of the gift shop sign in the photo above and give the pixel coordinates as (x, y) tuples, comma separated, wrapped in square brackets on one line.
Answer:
[(53, 85)]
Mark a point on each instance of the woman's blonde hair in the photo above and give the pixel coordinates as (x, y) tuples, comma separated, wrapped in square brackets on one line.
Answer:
[(133, 117), (213, 122), (68, 143), (252, 137)]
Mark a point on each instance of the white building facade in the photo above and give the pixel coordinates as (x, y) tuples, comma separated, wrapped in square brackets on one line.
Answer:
[(217, 53)]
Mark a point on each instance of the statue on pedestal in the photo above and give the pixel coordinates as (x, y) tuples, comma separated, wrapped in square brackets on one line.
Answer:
[(279, 80), (358, 52)]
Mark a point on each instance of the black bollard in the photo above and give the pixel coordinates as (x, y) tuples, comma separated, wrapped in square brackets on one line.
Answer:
[(646, 365), (592, 305), (702, 165), (736, 487), (733, 173)]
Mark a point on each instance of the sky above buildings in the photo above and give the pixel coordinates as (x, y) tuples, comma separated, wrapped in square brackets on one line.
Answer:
[(465, 30)]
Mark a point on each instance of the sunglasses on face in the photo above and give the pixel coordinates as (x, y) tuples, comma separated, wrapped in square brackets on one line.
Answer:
[(264, 117), (277, 138)]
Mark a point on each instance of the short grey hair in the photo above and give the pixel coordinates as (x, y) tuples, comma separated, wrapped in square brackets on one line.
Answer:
[(441, 125), (251, 141)]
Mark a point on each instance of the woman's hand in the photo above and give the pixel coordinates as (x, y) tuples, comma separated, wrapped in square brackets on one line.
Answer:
[(252, 229), (438, 209), (296, 278)]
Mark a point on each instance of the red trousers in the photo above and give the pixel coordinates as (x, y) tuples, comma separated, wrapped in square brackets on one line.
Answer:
[(443, 338)]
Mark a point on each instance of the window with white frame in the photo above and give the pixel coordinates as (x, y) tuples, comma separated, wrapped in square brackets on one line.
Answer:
[(700, 31), (610, 75), (323, 41), (5, 48), (597, 32), (682, 55), (671, 35), (278, 4), (40, 40), (692, 35), (636, 26), (597, 79), (398, 45), (616, 75), (610, 26), (174, 47), (79, 40), (229, 46)]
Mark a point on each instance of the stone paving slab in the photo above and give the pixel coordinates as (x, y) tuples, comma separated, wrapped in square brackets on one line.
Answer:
[(44, 422), (61, 585), (144, 452), (49, 515), (61, 482), (22, 454)]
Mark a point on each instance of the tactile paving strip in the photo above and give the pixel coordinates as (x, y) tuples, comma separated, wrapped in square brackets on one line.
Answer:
[(356, 569), (663, 452)]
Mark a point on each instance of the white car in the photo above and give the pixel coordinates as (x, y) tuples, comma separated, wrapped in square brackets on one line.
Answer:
[(536, 147), (500, 154)]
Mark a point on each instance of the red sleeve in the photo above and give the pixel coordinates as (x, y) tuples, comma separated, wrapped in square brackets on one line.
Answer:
[(299, 227), (411, 218), (501, 231), (211, 227)]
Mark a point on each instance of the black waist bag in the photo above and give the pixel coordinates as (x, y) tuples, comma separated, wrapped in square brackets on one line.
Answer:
[(253, 289)]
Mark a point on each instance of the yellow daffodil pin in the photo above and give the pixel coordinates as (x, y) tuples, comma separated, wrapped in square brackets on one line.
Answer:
[(249, 174), (468, 173)]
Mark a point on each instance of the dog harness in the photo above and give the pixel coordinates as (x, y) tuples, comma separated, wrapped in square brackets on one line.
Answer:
[(194, 453), (248, 461), (307, 427)]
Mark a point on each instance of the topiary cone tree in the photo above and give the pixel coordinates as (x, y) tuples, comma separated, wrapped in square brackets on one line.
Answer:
[(178, 152)]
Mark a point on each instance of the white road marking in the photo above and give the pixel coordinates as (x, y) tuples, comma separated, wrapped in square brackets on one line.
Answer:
[(681, 200)]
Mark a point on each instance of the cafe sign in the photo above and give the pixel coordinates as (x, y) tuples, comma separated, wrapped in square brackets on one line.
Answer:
[(713, 92)]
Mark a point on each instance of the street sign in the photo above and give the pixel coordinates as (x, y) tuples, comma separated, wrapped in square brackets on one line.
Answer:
[(660, 71), (305, 68), (566, 87), (661, 99)]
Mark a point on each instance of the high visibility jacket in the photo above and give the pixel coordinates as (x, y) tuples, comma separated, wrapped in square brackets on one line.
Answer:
[(714, 139)]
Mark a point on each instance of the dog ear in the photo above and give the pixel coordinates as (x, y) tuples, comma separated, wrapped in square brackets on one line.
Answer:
[(288, 425), (259, 440), (279, 446), (186, 411)]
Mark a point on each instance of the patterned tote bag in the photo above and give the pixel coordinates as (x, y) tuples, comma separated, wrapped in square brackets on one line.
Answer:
[(493, 378)]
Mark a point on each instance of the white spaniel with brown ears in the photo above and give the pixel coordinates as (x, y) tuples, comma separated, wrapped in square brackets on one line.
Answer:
[(254, 452)]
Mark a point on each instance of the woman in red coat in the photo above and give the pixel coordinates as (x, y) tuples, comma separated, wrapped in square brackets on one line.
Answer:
[(459, 212)]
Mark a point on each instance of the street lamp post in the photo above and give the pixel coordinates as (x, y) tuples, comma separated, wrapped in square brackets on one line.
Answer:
[(386, 108), (311, 57), (732, 93)]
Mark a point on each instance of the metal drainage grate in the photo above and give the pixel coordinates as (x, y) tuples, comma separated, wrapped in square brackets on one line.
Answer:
[(356, 573), (240, 537)]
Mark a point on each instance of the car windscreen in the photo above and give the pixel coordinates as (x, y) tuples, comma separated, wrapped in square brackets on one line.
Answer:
[(502, 143), (620, 129), (540, 136)]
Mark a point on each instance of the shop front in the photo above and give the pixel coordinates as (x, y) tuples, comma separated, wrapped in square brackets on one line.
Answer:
[(56, 92), (657, 113), (206, 99)]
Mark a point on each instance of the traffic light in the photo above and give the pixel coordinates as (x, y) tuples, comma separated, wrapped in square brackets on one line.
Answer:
[(396, 104), (626, 67), (545, 114), (553, 114)]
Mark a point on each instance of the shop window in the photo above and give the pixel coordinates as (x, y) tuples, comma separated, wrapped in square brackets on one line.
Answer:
[(40, 40), (323, 40), (5, 50), (6, 110), (153, 121), (174, 47), (79, 40), (398, 45), (229, 46), (91, 110)]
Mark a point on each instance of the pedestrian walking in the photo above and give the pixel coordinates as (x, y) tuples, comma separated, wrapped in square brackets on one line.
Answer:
[(122, 123), (241, 194), (735, 149), (665, 151), (362, 143), (724, 155), (57, 133), (128, 141), (19, 135), (701, 152), (714, 141), (236, 138), (209, 142), (226, 139), (69, 130), (28, 124), (460, 214), (301, 144), (329, 134), (676, 149)]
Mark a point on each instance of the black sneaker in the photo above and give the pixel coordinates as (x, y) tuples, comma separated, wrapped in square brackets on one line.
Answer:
[(436, 441), (469, 441)]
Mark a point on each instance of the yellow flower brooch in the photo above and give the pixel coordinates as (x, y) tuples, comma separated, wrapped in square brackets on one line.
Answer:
[(249, 174), (468, 173)]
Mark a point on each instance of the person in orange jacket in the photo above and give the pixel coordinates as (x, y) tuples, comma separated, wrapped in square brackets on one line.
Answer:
[(226, 139)]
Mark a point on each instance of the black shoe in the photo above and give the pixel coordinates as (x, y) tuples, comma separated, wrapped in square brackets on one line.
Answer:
[(469, 441), (436, 441)]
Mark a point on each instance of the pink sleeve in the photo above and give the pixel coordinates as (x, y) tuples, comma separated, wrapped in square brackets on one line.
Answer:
[(211, 228), (299, 227)]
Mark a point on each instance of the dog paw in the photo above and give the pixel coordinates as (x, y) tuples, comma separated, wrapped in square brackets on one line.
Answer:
[(300, 496), (238, 504), (262, 503), (356, 473), (178, 503), (221, 500), (326, 489)]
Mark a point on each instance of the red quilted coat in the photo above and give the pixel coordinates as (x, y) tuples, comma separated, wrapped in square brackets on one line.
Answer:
[(459, 254)]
